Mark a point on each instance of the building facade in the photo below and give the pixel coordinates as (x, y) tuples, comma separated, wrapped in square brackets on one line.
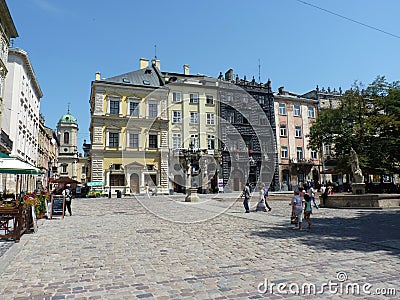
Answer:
[(7, 31), (22, 106), (193, 122), (328, 99), (294, 116), (129, 131), (250, 161), (47, 154), (21, 112)]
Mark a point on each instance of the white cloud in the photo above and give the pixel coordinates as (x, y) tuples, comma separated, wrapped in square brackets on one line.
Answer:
[(47, 6)]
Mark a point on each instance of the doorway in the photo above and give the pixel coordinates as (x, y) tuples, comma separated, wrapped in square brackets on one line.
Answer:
[(134, 184)]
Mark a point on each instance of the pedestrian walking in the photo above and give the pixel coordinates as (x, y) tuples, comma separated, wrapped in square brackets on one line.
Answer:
[(297, 209), (324, 196), (312, 194), (68, 198), (307, 210), (261, 200), (266, 196), (147, 189), (246, 195)]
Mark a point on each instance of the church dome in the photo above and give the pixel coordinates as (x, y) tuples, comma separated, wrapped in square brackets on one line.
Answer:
[(68, 118)]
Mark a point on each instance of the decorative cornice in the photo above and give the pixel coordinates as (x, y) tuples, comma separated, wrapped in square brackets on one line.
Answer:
[(10, 30), (24, 55)]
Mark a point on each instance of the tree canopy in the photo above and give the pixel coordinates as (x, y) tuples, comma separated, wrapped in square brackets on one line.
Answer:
[(367, 120)]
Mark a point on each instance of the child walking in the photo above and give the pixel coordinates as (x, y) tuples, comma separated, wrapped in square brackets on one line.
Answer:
[(307, 210)]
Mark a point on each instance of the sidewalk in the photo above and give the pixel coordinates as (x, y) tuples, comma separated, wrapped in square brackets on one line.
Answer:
[(158, 248)]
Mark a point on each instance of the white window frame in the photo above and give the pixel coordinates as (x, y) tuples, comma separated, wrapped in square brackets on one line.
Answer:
[(151, 103), (195, 139), (210, 142), (176, 140), (298, 131), (210, 119), (231, 117), (282, 109), (108, 138), (148, 141), (176, 116), (314, 154), (328, 149), (311, 112), (194, 98), (296, 110), (284, 152), (128, 112), (282, 130), (114, 98), (129, 140), (194, 117), (176, 97), (299, 153), (209, 99)]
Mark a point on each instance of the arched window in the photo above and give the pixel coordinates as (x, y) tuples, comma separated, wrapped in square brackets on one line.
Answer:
[(66, 137)]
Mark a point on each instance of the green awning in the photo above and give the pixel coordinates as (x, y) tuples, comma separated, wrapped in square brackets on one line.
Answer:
[(15, 166), (3, 155)]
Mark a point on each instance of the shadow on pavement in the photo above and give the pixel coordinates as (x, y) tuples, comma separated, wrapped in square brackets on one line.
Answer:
[(368, 231)]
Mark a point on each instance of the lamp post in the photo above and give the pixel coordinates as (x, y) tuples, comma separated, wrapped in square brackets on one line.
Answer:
[(48, 174), (109, 190)]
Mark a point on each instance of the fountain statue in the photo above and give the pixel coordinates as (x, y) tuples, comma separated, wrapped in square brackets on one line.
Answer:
[(358, 185)]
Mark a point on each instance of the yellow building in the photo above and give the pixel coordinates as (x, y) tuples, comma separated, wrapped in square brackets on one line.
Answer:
[(193, 119), (129, 131)]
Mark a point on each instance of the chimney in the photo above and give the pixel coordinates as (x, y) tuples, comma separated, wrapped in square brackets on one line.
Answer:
[(157, 63), (281, 90), (143, 63), (186, 69), (229, 75), (97, 75)]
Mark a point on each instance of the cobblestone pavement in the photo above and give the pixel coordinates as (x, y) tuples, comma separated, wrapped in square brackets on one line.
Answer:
[(121, 249)]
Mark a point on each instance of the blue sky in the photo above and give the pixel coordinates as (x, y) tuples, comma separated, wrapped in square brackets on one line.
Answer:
[(299, 46)]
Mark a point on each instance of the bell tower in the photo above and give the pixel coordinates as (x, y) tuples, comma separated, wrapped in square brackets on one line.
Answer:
[(67, 131)]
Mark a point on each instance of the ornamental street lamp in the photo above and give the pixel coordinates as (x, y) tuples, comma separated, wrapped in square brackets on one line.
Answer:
[(49, 165), (190, 162)]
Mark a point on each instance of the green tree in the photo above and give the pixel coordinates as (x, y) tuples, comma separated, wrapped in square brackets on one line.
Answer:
[(367, 120)]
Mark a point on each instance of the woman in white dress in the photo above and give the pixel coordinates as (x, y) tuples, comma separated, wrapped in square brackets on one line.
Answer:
[(261, 200)]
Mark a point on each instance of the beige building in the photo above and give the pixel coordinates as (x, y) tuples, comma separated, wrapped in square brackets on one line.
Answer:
[(7, 32), (47, 154), (294, 116), (193, 119)]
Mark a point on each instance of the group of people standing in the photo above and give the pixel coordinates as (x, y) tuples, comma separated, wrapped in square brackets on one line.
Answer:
[(302, 205)]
